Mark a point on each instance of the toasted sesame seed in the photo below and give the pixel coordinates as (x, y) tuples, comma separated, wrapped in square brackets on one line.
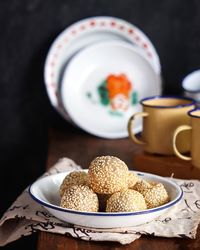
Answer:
[(156, 196), (141, 186), (126, 201), (76, 177), (132, 179), (81, 198), (107, 174)]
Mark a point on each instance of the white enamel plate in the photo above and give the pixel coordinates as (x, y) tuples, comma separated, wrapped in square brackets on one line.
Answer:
[(45, 191), (102, 87), (81, 34)]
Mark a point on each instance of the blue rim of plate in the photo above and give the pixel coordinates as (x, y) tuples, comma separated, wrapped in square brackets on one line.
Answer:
[(147, 211), (193, 102)]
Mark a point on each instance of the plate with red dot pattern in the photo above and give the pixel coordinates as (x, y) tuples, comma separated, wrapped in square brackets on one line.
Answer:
[(82, 34)]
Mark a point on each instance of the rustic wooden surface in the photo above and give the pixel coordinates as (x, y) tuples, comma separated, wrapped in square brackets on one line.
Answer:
[(82, 148)]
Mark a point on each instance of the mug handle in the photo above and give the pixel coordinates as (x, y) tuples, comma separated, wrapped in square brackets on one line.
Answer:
[(130, 127), (176, 132)]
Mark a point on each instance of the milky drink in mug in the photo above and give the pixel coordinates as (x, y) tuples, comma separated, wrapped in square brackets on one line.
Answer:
[(161, 116)]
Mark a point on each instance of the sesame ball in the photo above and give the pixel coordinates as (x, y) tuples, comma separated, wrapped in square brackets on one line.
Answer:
[(126, 201), (141, 186), (74, 178), (107, 175), (156, 196), (81, 198), (132, 179)]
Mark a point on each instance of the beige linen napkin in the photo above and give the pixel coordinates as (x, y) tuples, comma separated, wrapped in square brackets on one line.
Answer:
[(25, 217)]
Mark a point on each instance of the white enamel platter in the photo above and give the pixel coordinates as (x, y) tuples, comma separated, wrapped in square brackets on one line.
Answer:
[(82, 34), (84, 89), (45, 191)]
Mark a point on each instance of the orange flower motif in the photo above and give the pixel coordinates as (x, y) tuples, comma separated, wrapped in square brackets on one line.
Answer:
[(119, 88), (118, 85)]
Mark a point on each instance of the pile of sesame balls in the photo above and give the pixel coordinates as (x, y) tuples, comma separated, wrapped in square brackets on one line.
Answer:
[(109, 186)]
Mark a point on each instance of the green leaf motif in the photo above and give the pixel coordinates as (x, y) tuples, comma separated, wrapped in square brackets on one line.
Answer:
[(134, 98), (103, 94)]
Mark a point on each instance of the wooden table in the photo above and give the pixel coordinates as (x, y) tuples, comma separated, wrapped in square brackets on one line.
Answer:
[(82, 148)]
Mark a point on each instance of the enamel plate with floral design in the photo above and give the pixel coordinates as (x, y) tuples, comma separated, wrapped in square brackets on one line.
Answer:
[(103, 84), (83, 33)]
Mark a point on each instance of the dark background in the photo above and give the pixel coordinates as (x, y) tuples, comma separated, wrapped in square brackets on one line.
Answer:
[(27, 29)]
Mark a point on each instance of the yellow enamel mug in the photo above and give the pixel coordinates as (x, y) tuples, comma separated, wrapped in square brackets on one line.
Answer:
[(194, 138), (161, 116)]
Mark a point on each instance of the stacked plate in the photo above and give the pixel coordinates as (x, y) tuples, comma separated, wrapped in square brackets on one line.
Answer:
[(96, 72)]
